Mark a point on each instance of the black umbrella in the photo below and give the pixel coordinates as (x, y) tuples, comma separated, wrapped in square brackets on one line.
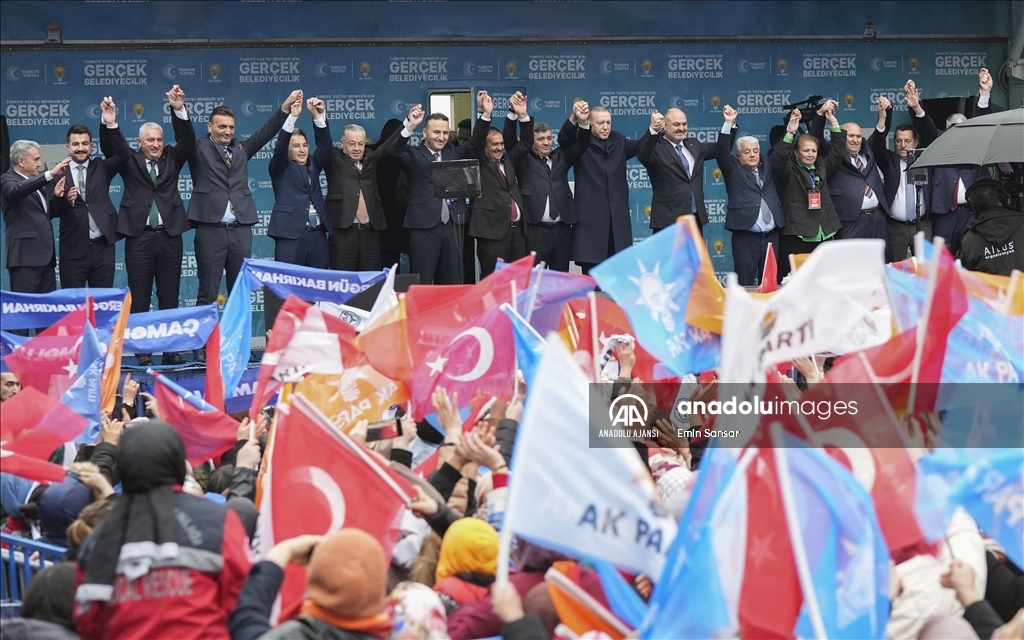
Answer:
[(991, 139)]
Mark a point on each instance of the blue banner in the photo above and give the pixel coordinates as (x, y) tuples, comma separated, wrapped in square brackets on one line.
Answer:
[(8, 343), (170, 330), (240, 400), (39, 310)]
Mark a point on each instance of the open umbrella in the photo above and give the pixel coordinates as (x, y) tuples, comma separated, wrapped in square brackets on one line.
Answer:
[(991, 139)]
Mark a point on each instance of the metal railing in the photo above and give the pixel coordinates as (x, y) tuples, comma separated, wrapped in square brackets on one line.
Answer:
[(22, 558)]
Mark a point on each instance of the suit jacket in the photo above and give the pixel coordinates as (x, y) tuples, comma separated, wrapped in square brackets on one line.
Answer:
[(424, 210), (296, 185), (846, 186), (537, 182), (942, 180), (795, 181), (889, 163), (744, 193), (139, 190), (214, 183), (601, 196), (673, 188), (29, 232), (74, 221), (345, 182), (492, 211)]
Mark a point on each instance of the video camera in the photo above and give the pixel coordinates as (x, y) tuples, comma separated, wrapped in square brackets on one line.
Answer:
[(807, 108)]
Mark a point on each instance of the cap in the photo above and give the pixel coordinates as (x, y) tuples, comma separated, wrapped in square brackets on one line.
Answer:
[(984, 182)]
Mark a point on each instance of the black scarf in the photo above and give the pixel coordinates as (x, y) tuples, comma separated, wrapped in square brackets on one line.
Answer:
[(141, 528)]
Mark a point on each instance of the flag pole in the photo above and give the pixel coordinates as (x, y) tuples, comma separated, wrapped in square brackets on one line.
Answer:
[(922, 325), (594, 340), (793, 527), (533, 294), (504, 550)]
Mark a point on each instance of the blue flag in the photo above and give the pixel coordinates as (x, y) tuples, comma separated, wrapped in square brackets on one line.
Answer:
[(38, 310), (83, 397), (529, 345), (624, 601), (169, 330), (652, 281), (8, 343), (548, 292)]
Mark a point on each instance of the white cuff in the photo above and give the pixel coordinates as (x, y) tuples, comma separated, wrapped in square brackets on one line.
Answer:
[(919, 115), (181, 113), (405, 129), (584, 125), (653, 132), (524, 119), (486, 117), (320, 121), (111, 126), (727, 128), (512, 115), (983, 102), (289, 124)]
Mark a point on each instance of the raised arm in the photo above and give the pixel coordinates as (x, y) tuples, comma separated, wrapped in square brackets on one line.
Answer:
[(649, 141), (321, 133), (266, 133), (837, 151), (115, 157), (782, 157), (184, 131), (724, 144), (877, 138), (581, 110), (922, 122), (279, 161)]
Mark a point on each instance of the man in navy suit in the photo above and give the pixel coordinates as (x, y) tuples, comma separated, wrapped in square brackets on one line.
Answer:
[(88, 219), (26, 201), (675, 165), (298, 223), (434, 250), (856, 189), (755, 213)]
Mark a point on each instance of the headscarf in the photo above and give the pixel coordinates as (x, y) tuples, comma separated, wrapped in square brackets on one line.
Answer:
[(141, 528), (417, 612), (346, 582), (469, 546)]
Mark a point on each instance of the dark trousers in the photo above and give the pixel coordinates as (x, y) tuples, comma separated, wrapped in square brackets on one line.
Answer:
[(900, 237), (95, 269), (552, 242), (510, 248), (793, 245), (220, 249), (308, 250), (355, 249), (388, 258), (952, 226), (749, 249), (153, 255), (866, 225), (34, 279), (468, 255), (434, 254)]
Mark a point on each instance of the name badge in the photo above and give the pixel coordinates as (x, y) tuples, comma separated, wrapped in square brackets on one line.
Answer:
[(813, 199)]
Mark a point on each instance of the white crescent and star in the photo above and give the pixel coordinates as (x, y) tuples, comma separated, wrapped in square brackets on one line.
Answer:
[(321, 69), (483, 363), (170, 71), (862, 463), (325, 484)]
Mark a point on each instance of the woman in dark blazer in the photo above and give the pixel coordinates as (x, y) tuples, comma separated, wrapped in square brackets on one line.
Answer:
[(802, 177)]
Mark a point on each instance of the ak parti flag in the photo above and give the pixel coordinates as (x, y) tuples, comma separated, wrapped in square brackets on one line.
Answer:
[(321, 481), (206, 431), (32, 426), (359, 393)]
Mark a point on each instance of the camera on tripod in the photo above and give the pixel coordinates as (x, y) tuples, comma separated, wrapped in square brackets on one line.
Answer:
[(808, 108), (917, 177)]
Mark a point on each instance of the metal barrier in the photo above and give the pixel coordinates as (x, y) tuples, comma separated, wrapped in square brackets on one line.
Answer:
[(18, 567)]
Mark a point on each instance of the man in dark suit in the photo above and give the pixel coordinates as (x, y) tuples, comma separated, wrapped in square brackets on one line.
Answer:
[(947, 199), (675, 165), (856, 189), (222, 210), (152, 217), (434, 250), (394, 240), (26, 201), (908, 212), (354, 202), (497, 220), (601, 196), (755, 213), (544, 184), (87, 217), (298, 221)]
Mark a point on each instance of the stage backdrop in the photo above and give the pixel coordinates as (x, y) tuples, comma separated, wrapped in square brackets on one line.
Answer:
[(43, 93)]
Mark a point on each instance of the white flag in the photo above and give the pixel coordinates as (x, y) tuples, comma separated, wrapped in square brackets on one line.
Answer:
[(386, 299), (580, 500), (830, 304)]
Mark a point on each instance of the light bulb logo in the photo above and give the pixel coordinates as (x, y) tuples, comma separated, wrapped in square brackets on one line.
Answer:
[(221, 299), (511, 67), (364, 68), (849, 99), (647, 211), (719, 245), (139, 109), (647, 65), (715, 101), (717, 173), (215, 70), (913, 64), (782, 64), (59, 72)]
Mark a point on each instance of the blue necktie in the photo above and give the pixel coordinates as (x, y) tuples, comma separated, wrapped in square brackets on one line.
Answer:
[(910, 193), (686, 167)]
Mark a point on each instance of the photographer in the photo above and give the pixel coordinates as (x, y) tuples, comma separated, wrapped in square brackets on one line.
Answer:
[(811, 217), (995, 241)]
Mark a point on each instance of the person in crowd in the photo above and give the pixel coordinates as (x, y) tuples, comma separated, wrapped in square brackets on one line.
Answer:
[(26, 199), (947, 200), (675, 164), (994, 243), (354, 201), (46, 611), (87, 216), (464, 132), (602, 193), (162, 563), (544, 184), (515, 623), (754, 215), (221, 209), (468, 562), (151, 217), (417, 613), (434, 251), (803, 175), (393, 189), (908, 212), (856, 188), (497, 220), (87, 520), (9, 385)]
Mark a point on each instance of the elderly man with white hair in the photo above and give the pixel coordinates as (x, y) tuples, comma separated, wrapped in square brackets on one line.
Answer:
[(755, 213)]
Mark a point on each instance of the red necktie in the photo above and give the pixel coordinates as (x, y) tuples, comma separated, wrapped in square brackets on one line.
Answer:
[(515, 210)]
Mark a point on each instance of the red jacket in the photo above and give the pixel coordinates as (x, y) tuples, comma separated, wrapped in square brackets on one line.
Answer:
[(190, 598)]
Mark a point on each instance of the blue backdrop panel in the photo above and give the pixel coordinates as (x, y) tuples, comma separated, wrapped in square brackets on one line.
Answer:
[(44, 92)]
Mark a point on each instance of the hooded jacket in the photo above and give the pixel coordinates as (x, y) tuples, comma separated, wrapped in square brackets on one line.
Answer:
[(995, 242)]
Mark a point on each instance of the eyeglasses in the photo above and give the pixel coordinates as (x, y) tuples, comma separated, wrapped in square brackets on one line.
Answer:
[(351, 143)]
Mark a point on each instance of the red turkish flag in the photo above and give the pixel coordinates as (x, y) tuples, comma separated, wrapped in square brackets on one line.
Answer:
[(206, 431), (611, 320), (321, 481), (49, 361), (770, 277), (32, 426)]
